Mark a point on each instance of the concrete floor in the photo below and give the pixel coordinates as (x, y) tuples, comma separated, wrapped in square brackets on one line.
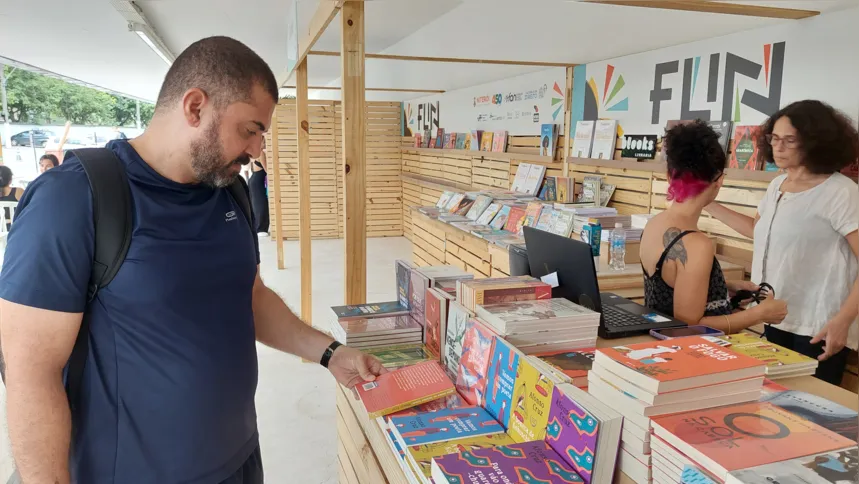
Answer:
[(295, 401)]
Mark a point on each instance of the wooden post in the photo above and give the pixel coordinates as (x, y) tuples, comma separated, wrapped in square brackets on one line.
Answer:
[(275, 169), (352, 72), (568, 112), (304, 236)]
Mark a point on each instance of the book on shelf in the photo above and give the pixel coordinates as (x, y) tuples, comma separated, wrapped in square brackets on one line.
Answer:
[(476, 138), (677, 364), (460, 141), (723, 129), (744, 153), (449, 141), (780, 361), (401, 355), (532, 398), (538, 315), (606, 192), (735, 437), (574, 364), (439, 139), (444, 198), (500, 219), (527, 462), (457, 322), (486, 141), (566, 189), (421, 456), (499, 141), (583, 139), (839, 467), (490, 234), (404, 388), (584, 432), (464, 206), (501, 380), (536, 173), (591, 186), (605, 139), (532, 214), (548, 139), (522, 170), (474, 362), (453, 202), (549, 189), (443, 426), (481, 203), (431, 212), (544, 222), (489, 214), (361, 311), (501, 290), (564, 223), (417, 142), (514, 219), (436, 320), (403, 271), (829, 415), (468, 141)]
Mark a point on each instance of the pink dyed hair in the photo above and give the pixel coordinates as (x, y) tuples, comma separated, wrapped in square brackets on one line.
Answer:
[(684, 187)]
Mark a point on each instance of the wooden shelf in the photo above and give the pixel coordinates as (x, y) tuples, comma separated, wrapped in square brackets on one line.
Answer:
[(660, 168), (445, 185), (495, 155)]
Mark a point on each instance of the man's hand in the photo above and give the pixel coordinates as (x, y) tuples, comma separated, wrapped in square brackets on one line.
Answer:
[(350, 366), (834, 336)]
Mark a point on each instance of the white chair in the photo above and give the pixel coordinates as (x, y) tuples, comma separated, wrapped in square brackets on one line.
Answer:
[(11, 206)]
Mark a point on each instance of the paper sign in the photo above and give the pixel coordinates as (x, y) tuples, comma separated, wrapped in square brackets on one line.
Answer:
[(551, 279)]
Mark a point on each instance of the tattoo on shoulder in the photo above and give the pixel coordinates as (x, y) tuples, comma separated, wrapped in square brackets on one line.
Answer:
[(678, 250)]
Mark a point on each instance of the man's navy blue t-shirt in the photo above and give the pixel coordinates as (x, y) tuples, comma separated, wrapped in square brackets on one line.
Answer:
[(168, 392)]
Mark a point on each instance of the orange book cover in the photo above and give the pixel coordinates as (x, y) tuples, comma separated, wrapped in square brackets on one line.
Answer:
[(405, 388), (725, 439), (677, 359), (744, 150), (514, 219)]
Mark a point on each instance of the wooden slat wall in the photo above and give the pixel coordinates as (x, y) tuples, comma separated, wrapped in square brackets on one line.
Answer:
[(384, 162), (632, 187)]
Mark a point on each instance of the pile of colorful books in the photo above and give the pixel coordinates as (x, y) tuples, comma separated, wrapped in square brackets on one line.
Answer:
[(542, 325), (377, 332), (781, 362), (656, 378)]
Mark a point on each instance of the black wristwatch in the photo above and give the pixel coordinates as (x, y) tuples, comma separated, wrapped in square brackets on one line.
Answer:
[(329, 352)]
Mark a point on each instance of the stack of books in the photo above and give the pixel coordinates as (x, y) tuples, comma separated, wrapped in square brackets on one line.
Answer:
[(655, 378), (404, 388), (781, 362), (574, 365), (826, 468), (542, 325), (737, 440), (377, 332), (393, 357), (472, 293)]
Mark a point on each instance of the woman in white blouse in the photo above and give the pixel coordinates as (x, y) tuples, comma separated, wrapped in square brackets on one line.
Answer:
[(805, 232)]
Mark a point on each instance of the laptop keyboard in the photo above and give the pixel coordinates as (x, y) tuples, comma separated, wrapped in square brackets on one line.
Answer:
[(617, 318)]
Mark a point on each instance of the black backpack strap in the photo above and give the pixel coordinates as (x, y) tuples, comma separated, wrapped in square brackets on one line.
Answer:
[(112, 218), (239, 190)]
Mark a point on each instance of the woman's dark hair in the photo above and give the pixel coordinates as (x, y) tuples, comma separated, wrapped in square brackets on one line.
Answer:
[(5, 176), (52, 158), (827, 139), (695, 159)]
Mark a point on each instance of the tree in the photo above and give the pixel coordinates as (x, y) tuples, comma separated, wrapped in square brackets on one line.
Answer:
[(32, 98), (125, 111), (82, 105), (146, 112)]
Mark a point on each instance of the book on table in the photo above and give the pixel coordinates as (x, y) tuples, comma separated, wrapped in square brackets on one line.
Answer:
[(472, 293), (584, 432), (403, 272), (444, 198), (454, 400), (453, 202), (474, 362), (829, 415), (420, 456), (419, 285), (457, 323), (532, 214), (780, 361), (481, 203), (361, 311), (435, 326), (464, 206), (735, 437), (532, 398), (500, 220), (531, 316), (526, 462), (443, 426), (574, 364), (489, 214), (405, 388), (501, 380), (840, 467), (545, 222), (514, 219), (360, 332), (398, 356)]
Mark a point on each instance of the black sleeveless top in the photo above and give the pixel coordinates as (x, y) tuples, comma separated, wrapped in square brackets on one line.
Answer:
[(659, 295)]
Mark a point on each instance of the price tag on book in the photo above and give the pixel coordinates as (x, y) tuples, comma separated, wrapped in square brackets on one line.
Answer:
[(551, 279)]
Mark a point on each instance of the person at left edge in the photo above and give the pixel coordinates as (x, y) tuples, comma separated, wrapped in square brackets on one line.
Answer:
[(168, 392)]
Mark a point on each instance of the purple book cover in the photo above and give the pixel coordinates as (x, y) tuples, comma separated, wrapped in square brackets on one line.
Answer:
[(573, 432), (532, 462)]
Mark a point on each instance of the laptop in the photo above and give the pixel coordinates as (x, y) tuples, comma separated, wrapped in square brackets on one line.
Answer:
[(573, 262)]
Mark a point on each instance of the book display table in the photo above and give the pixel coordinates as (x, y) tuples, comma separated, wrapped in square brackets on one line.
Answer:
[(366, 458), (438, 243)]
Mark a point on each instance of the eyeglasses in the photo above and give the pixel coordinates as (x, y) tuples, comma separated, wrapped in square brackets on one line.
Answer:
[(788, 141)]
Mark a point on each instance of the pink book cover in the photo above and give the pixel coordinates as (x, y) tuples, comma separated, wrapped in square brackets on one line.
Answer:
[(474, 362)]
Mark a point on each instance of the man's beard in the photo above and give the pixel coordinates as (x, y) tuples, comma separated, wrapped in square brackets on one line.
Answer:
[(207, 160)]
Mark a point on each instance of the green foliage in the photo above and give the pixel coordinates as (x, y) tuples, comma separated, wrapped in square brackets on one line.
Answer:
[(38, 99)]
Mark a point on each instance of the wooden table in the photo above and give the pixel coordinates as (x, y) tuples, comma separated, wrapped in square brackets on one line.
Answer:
[(366, 458)]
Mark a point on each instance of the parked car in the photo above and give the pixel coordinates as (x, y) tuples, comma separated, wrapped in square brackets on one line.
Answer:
[(40, 137)]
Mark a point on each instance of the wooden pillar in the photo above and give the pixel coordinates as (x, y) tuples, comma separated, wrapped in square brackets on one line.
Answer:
[(275, 173), (304, 237), (352, 72), (568, 112)]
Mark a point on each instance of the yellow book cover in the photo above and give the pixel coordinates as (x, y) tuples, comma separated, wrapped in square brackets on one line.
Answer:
[(422, 455), (467, 145), (762, 350), (532, 399), (486, 142)]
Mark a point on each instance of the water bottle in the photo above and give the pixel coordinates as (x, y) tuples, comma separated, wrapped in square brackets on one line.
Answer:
[(617, 250)]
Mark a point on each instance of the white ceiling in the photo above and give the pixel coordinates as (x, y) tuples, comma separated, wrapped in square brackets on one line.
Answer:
[(88, 39)]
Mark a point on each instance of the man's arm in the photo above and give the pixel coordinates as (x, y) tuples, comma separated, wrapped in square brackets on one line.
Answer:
[(36, 345), (278, 327)]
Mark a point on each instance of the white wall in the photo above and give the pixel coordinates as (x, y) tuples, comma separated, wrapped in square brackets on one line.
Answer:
[(525, 104), (821, 61)]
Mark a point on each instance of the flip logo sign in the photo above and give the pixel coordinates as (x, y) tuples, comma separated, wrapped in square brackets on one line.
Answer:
[(735, 68)]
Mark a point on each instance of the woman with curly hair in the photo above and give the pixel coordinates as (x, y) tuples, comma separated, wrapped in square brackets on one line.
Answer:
[(805, 232), (682, 277)]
